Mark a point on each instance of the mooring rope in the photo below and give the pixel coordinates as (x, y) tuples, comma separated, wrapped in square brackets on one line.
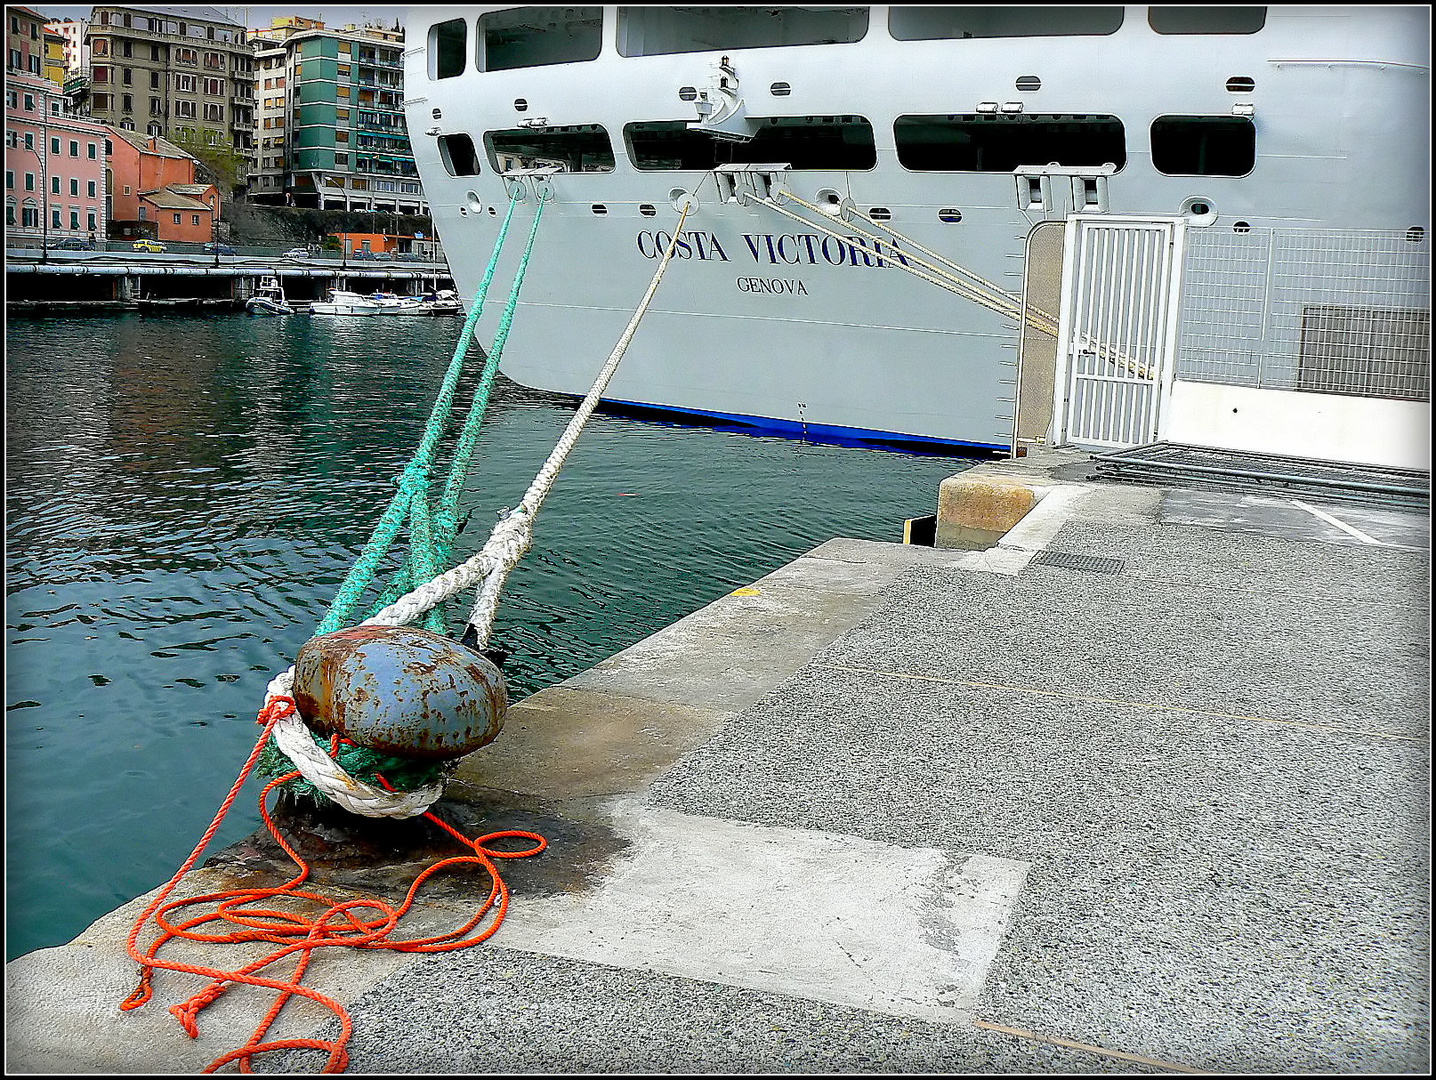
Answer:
[(956, 279), (339, 924), (486, 571)]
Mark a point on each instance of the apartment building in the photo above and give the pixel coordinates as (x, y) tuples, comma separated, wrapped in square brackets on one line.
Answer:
[(24, 42), (56, 165), (185, 74), (76, 51), (330, 131), (156, 191)]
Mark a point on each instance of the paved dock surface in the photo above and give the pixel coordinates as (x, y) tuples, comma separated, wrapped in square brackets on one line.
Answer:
[(1144, 789)]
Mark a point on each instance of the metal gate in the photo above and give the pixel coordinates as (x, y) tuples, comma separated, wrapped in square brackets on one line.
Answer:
[(1117, 333)]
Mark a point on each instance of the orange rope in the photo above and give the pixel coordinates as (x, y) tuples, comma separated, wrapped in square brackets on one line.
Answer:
[(297, 934)]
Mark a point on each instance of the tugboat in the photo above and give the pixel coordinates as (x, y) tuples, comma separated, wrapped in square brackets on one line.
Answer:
[(268, 299)]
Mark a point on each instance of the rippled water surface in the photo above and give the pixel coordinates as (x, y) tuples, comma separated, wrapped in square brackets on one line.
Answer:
[(184, 494)]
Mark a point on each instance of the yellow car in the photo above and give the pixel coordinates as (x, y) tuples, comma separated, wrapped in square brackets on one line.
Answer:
[(149, 245)]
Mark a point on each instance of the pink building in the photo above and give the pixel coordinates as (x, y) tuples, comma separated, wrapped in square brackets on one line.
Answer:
[(55, 165), (154, 181)]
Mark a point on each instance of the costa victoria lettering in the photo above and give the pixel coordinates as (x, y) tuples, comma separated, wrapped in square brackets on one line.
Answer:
[(775, 249)]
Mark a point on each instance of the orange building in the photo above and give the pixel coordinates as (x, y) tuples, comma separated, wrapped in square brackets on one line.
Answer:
[(154, 191)]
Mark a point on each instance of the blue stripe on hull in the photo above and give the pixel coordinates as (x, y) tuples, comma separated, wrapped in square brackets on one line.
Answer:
[(819, 433)]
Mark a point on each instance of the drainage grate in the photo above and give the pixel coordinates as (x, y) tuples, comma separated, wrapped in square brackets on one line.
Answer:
[(1097, 564)]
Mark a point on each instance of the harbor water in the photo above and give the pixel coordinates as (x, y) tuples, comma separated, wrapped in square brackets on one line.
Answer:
[(183, 496)]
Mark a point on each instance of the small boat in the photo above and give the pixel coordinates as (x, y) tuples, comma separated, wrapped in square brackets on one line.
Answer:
[(340, 302), (268, 299)]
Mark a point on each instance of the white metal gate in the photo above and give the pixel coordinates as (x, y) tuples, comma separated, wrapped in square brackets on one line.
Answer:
[(1121, 280)]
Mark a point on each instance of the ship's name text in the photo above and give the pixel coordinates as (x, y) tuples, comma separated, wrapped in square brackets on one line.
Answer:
[(774, 249)]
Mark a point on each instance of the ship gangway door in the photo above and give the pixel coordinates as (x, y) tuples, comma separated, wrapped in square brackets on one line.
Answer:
[(1117, 329)]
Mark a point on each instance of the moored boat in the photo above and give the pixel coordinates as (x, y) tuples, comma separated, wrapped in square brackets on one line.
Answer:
[(268, 299), (823, 154)]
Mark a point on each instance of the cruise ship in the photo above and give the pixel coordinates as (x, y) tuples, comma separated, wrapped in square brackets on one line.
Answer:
[(842, 168)]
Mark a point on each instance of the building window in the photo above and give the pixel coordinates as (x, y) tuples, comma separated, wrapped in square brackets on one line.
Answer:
[(90, 188), (144, 212), (54, 145), (1203, 145), (177, 219), (185, 84), (154, 80), (54, 185), (127, 103), (74, 148), (29, 141), (55, 218), (74, 219), (195, 218), (29, 181), (9, 179), (91, 216), (90, 151), (127, 76), (74, 186), (29, 102)]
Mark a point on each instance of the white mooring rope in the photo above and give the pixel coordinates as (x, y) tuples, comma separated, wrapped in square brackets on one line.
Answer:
[(510, 539)]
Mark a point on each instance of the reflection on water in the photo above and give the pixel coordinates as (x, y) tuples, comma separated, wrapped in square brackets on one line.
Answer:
[(184, 494)]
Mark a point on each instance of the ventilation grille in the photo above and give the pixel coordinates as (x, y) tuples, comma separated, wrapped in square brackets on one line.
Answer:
[(1029, 82), (1241, 84), (1067, 560)]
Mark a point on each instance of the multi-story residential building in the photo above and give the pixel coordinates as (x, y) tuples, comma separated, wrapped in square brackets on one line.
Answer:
[(76, 52), (154, 181), (330, 129), (24, 42), (56, 164), (182, 73), (54, 63)]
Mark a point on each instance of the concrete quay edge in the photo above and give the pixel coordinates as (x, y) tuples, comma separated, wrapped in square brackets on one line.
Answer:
[(588, 751)]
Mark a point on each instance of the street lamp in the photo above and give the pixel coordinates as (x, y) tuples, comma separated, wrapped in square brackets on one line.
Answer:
[(44, 200)]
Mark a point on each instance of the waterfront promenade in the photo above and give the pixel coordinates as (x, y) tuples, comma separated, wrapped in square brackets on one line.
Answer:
[(1159, 805)]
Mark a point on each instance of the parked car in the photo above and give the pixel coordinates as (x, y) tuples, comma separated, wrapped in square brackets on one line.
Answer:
[(72, 243), (362, 254), (297, 253), (153, 246), (223, 249)]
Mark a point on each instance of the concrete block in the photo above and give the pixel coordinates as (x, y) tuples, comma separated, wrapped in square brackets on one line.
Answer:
[(975, 509)]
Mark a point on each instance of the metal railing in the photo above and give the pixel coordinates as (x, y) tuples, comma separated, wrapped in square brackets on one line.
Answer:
[(1319, 310)]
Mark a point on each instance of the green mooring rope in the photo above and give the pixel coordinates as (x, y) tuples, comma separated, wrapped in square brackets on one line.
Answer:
[(432, 532)]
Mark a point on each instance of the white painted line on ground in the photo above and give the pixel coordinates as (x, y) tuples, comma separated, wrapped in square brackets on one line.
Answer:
[(903, 931), (1353, 530)]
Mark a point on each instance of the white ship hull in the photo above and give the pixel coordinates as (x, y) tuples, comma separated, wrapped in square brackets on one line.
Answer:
[(765, 321)]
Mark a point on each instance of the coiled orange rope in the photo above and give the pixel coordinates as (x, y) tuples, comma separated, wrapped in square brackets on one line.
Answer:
[(298, 934)]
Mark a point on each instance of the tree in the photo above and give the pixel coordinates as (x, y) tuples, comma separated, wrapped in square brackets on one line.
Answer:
[(220, 164)]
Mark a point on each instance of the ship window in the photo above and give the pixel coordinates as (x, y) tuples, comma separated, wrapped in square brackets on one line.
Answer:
[(933, 23), (988, 143), (1206, 20), (535, 36), (576, 148), (448, 45), (658, 31), (1241, 84), (1203, 145), (457, 153), (803, 142)]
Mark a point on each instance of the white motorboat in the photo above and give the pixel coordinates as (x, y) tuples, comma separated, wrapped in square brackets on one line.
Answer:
[(340, 302), (268, 299)]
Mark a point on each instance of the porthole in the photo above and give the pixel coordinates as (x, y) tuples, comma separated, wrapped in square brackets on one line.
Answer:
[(687, 93), (1415, 234), (1199, 210), (521, 105), (1029, 83), (780, 89), (647, 209), (475, 203), (493, 212), (1241, 84), (880, 213), (598, 209), (950, 215), (830, 201), (1242, 227)]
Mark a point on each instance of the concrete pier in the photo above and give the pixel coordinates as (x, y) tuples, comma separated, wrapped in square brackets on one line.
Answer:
[(1141, 787)]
